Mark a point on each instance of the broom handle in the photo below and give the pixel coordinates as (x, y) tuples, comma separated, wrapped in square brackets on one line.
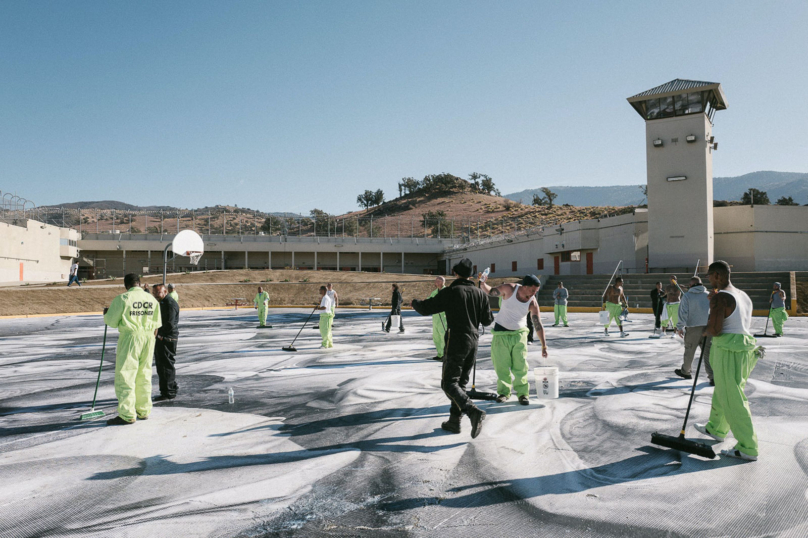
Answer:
[(767, 320), (97, 381), (695, 380), (301, 328)]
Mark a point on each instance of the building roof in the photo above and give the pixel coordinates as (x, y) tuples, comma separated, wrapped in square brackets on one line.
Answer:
[(677, 85)]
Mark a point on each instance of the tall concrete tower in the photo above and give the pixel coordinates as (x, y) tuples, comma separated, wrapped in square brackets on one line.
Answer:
[(679, 144)]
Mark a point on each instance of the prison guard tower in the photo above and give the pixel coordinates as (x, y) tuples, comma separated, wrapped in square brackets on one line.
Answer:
[(679, 144)]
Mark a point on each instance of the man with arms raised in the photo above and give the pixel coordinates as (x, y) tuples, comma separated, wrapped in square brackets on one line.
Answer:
[(613, 298), (733, 355), (466, 307), (509, 343)]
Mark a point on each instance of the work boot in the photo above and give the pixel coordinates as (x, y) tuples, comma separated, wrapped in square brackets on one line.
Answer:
[(452, 425), (162, 398), (118, 421), (476, 416), (524, 400), (681, 374), (565, 325), (712, 382), (436, 358), (555, 324), (501, 398)]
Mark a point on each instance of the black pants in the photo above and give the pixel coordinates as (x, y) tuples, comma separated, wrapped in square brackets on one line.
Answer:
[(390, 320), (461, 350), (657, 314), (530, 328), (164, 353)]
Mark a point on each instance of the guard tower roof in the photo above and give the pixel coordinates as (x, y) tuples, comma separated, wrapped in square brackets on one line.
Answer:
[(711, 93)]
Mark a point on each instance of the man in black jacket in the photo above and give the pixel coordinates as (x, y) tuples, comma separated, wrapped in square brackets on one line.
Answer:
[(657, 304), (395, 310), (466, 307), (165, 346)]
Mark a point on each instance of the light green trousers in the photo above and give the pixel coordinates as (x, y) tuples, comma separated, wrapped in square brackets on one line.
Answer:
[(733, 357), (779, 316), (133, 374), (560, 311), (262, 315), (509, 354), (438, 332), (673, 313), (614, 313), (326, 319)]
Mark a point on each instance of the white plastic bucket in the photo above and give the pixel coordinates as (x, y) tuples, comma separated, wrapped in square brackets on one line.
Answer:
[(395, 322), (546, 382), (604, 317)]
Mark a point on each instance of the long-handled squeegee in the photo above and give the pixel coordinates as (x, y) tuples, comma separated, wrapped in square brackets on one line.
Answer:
[(92, 413), (680, 443), (291, 347)]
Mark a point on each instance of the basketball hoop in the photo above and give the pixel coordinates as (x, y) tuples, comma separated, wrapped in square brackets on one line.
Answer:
[(194, 257), (188, 244)]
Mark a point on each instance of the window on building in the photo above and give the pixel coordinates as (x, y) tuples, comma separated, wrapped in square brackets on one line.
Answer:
[(653, 109), (513, 266), (666, 107), (566, 256), (493, 268), (540, 264)]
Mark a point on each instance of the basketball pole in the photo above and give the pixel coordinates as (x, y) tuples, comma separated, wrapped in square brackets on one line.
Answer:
[(165, 261)]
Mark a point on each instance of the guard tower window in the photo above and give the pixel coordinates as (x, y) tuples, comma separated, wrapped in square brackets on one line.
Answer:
[(665, 107), (652, 109)]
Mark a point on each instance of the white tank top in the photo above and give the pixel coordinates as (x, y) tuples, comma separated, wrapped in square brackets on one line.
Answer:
[(740, 321), (513, 312)]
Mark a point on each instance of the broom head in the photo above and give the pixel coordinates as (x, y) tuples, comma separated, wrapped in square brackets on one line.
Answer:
[(91, 414), (683, 445), (475, 394), (291, 349)]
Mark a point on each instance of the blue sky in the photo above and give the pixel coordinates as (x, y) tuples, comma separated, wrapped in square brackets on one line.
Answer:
[(287, 106)]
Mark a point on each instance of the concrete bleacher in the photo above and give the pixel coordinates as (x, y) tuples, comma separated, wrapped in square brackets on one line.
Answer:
[(586, 290)]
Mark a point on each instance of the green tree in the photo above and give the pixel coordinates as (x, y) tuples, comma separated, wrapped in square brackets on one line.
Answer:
[(366, 199), (487, 185), (786, 200), (538, 200), (408, 185), (378, 197), (272, 224), (549, 196), (755, 197), (320, 221), (437, 223)]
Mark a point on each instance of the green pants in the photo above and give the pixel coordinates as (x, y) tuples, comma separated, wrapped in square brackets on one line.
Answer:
[(560, 311), (779, 316), (614, 311), (326, 319), (133, 374), (438, 332), (509, 354), (733, 357), (262, 315), (673, 313)]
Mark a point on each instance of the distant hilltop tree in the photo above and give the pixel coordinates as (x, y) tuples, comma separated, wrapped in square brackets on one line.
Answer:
[(370, 199), (786, 200), (755, 197), (547, 199), (446, 183)]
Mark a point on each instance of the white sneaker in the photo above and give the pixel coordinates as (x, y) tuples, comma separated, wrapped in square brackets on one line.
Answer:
[(735, 453), (623, 335), (702, 429)]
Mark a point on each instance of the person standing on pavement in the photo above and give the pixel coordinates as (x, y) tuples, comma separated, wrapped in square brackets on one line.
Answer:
[(778, 310), (165, 345), (657, 305), (560, 296), (136, 315), (74, 274), (673, 294), (438, 322), (509, 342), (395, 310), (694, 310), (466, 308), (261, 303), (326, 309), (173, 294), (733, 355), (612, 300)]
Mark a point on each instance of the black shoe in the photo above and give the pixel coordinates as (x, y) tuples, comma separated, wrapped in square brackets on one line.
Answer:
[(712, 382), (436, 358), (524, 400), (476, 415), (162, 398), (401, 330), (451, 426), (681, 374), (118, 421), (501, 398), (778, 335)]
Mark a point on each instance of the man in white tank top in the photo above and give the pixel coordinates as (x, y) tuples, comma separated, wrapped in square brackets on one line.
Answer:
[(509, 343), (733, 355)]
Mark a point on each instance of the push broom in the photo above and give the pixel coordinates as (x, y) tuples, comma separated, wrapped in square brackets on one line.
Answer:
[(766, 328), (92, 413), (291, 347), (680, 443)]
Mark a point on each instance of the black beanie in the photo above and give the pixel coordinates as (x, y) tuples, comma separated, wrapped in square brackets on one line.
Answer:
[(463, 268), (531, 280)]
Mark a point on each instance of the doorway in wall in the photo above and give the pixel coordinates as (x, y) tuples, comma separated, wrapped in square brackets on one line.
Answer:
[(590, 263), (556, 265)]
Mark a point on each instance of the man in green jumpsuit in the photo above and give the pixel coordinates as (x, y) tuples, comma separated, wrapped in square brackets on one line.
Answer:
[(438, 322), (733, 355), (261, 303), (136, 315), (326, 309), (173, 294), (778, 310)]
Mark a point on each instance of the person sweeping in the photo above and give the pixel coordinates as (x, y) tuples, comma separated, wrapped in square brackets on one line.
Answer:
[(778, 313), (136, 315), (466, 307), (326, 318), (733, 355), (509, 341), (560, 296), (673, 297), (261, 303), (439, 322)]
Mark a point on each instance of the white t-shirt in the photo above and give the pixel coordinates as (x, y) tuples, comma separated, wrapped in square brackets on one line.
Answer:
[(327, 303), (74, 269), (333, 296)]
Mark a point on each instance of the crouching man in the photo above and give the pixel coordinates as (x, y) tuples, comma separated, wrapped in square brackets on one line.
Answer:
[(466, 307), (509, 343)]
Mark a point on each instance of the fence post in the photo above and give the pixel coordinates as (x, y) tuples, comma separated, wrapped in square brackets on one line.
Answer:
[(96, 220)]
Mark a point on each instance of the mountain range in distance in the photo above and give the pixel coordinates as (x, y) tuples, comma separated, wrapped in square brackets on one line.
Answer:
[(775, 184)]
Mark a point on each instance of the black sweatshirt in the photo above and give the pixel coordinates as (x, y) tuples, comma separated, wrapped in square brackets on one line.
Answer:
[(466, 306), (396, 301), (657, 298), (170, 314)]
